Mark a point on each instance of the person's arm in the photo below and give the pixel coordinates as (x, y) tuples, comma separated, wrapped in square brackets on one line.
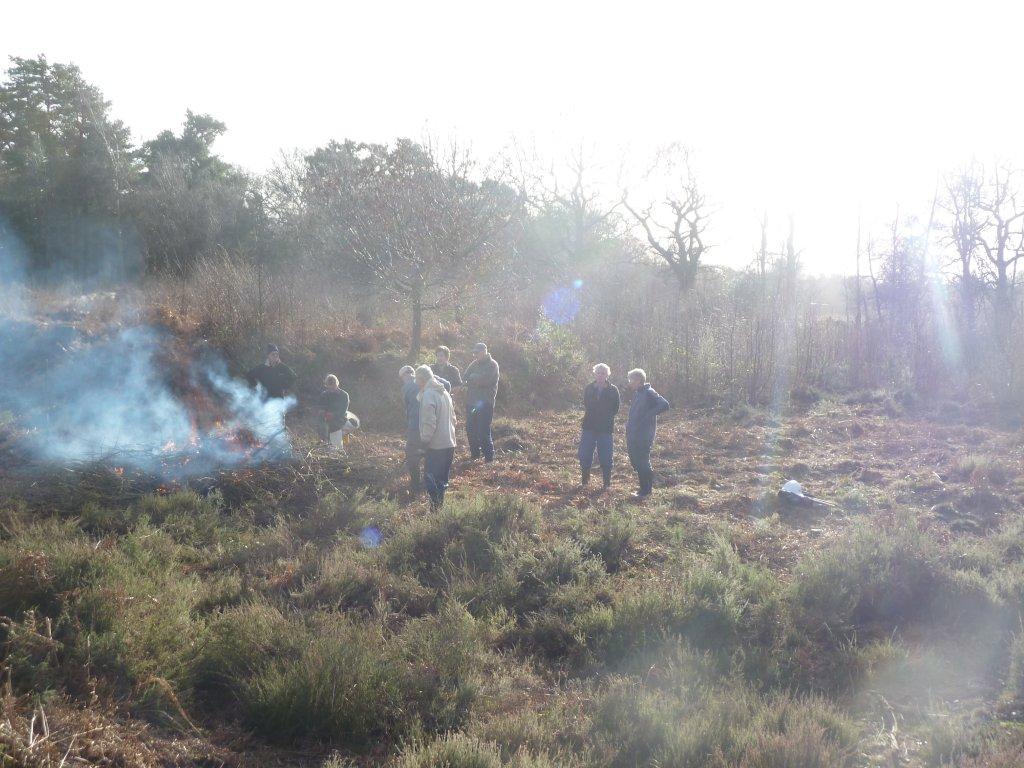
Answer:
[(444, 383), (428, 419), (347, 402), (618, 400), (659, 404), (456, 376), (289, 374), (251, 377)]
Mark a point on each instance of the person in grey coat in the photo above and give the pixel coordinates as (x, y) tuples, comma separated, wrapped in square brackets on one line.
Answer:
[(641, 427)]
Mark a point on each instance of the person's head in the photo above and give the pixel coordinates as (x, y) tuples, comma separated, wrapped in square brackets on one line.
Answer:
[(443, 354), (636, 378), (331, 381), (406, 373), (273, 354), (424, 375), (480, 350), (601, 373)]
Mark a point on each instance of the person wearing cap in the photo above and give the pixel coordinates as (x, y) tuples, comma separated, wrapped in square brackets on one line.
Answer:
[(273, 376), (641, 427), (437, 434), (600, 404), (413, 446), (481, 384), (444, 369)]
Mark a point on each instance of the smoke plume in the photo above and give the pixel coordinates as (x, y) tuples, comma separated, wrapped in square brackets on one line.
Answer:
[(135, 397)]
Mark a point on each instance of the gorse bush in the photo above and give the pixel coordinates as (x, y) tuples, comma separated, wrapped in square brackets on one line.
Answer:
[(346, 681), (462, 535), (872, 579), (717, 603), (634, 725)]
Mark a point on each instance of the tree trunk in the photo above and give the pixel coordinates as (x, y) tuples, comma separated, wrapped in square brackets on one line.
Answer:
[(415, 339)]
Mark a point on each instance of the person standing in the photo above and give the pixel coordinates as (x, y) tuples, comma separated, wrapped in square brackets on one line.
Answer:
[(601, 403), (273, 376), (444, 369), (641, 426), (481, 384), (413, 449), (437, 434), (334, 403), (413, 445)]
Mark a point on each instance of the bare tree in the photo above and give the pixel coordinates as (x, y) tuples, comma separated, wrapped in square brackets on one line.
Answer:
[(965, 231), (422, 226), (1002, 241), (675, 227), (986, 230)]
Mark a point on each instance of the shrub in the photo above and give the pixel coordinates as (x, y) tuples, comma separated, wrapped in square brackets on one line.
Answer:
[(464, 534), (871, 579), (634, 725), (460, 751), (346, 682), (332, 689), (123, 609), (613, 540), (717, 604), (357, 580)]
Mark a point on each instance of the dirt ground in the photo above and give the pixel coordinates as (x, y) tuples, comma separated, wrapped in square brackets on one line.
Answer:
[(862, 457)]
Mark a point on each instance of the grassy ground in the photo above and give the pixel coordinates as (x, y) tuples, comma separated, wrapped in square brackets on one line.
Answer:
[(310, 614)]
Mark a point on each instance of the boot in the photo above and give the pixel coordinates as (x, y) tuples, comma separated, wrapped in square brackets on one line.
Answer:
[(584, 477), (606, 477)]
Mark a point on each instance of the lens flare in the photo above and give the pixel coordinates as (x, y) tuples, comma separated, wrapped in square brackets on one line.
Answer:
[(371, 537), (562, 305)]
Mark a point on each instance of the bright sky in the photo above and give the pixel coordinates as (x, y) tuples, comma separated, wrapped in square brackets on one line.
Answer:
[(811, 108)]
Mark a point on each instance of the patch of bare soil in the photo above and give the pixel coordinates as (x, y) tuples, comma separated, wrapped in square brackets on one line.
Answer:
[(857, 456)]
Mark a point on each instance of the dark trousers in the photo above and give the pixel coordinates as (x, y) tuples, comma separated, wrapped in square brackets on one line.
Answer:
[(413, 460), (436, 471), (640, 458), (601, 442), (478, 429)]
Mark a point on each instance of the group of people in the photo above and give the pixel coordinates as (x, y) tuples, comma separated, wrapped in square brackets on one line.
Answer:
[(430, 417)]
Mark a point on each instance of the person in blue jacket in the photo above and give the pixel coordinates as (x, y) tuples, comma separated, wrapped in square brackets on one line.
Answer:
[(641, 426)]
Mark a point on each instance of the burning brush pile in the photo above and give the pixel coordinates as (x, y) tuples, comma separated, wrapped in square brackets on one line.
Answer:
[(136, 399)]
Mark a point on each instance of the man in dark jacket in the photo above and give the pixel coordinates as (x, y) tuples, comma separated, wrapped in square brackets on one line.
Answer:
[(641, 426), (444, 369), (481, 384), (275, 377), (600, 403), (413, 444)]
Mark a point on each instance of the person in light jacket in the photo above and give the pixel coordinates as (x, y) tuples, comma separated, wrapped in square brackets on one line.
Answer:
[(641, 427), (437, 434), (600, 403), (413, 447)]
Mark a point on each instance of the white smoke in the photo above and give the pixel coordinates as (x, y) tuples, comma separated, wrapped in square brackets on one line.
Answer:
[(111, 397)]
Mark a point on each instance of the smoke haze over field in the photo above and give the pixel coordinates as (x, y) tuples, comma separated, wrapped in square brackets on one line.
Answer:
[(128, 395)]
